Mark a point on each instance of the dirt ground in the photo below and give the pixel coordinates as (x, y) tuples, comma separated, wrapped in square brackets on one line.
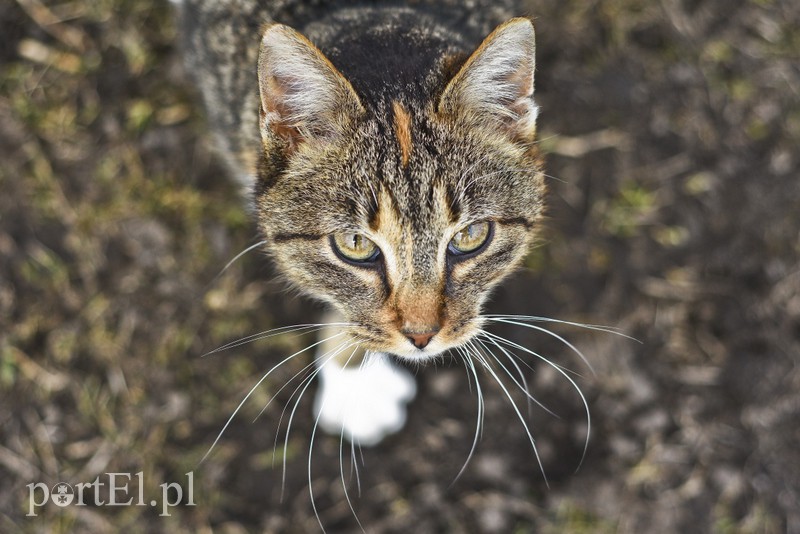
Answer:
[(672, 130)]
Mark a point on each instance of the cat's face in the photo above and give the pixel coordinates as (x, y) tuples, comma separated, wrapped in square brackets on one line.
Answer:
[(403, 215)]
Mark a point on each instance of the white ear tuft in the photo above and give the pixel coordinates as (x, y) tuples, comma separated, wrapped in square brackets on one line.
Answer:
[(495, 85), (303, 96)]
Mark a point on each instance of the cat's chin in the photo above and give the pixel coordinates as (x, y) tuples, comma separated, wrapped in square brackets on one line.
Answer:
[(417, 355), (414, 354)]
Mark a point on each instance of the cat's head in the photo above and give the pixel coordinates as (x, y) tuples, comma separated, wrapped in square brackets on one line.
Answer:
[(402, 214)]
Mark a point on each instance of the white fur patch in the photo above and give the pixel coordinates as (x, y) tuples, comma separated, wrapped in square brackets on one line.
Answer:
[(365, 403)]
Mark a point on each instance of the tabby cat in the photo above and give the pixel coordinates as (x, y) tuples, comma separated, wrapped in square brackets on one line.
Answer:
[(388, 151)]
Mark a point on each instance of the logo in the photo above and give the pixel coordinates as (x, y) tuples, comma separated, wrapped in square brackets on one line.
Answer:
[(111, 489), (62, 494)]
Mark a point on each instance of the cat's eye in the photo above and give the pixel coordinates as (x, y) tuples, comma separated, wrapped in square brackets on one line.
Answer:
[(470, 238), (355, 247)]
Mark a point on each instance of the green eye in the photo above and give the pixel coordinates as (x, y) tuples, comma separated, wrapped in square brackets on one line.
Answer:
[(471, 238), (355, 247)]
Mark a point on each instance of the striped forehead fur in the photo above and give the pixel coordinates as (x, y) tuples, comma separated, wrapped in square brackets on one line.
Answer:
[(402, 130)]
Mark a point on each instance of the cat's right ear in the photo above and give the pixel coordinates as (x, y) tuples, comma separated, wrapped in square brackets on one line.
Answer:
[(494, 87), (303, 96)]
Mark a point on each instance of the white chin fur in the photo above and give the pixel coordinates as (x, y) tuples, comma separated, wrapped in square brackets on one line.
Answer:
[(365, 403)]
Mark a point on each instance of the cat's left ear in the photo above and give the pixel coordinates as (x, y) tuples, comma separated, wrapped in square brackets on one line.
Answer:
[(495, 86)]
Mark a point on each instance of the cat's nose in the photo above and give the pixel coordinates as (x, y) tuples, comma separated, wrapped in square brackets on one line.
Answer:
[(421, 339)]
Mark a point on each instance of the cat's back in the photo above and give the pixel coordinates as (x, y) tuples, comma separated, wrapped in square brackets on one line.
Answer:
[(479, 16)]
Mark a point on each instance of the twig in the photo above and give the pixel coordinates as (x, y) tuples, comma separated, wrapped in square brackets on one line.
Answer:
[(49, 22)]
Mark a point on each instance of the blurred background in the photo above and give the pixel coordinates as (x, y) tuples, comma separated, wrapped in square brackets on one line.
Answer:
[(672, 130)]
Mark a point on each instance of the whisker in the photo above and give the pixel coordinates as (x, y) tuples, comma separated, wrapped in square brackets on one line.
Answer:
[(354, 463), (303, 382), (539, 140), (353, 443), (524, 386), (310, 450), (274, 396), (341, 446), (563, 373), (556, 178), (336, 352), (363, 463), (475, 178), (301, 387), (249, 393), (469, 365), (534, 318), (239, 255), (481, 398), (468, 175), (341, 475), (214, 280), (372, 190), (308, 328), (306, 379), (488, 368), (333, 353), (549, 333), (463, 356)]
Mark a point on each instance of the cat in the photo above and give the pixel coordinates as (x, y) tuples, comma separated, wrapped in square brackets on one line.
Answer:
[(389, 155)]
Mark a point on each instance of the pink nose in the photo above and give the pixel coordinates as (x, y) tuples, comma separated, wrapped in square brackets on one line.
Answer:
[(420, 339)]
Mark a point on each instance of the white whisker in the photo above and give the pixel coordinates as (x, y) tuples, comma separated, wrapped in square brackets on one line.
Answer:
[(538, 319), (511, 170), (488, 367), (284, 386), (310, 487), (249, 393), (563, 373), (305, 381), (341, 446), (354, 467), (479, 392), (549, 333), (372, 190), (522, 386), (470, 367), (333, 353), (227, 265), (239, 255), (306, 328), (556, 178)]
